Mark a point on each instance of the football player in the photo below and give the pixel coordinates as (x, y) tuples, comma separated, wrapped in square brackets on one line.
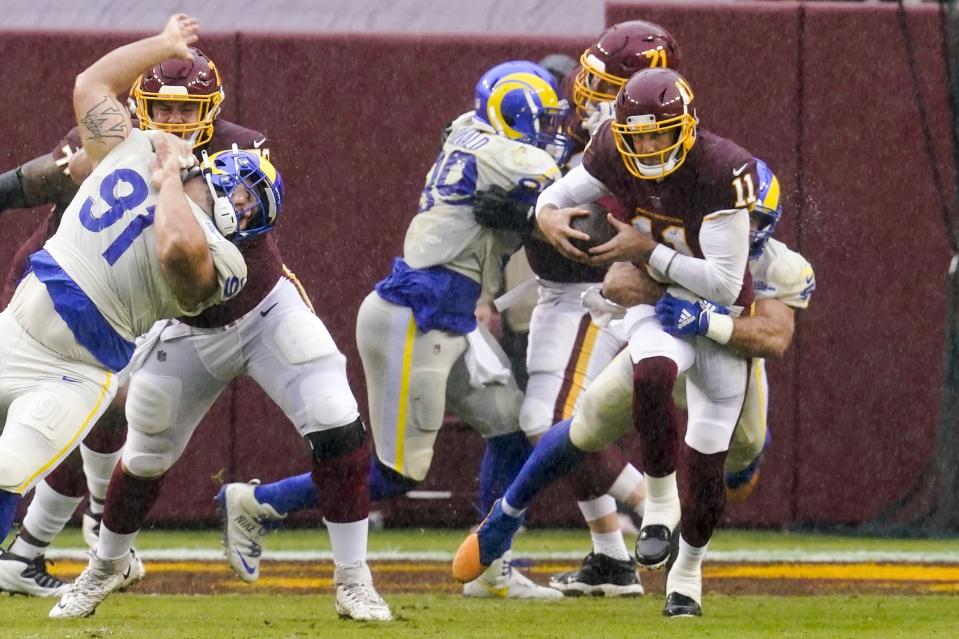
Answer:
[(566, 350), (273, 336), (688, 194), (136, 245), (183, 97), (422, 350)]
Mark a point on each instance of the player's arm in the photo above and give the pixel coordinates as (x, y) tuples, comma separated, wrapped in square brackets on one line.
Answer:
[(556, 207), (181, 245), (48, 179), (104, 120), (628, 285), (768, 332)]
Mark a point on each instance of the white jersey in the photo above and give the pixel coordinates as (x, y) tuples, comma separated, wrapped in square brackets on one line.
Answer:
[(100, 268), (782, 274), (474, 158)]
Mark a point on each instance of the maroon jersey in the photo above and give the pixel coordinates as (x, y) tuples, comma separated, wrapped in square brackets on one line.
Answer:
[(717, 175)]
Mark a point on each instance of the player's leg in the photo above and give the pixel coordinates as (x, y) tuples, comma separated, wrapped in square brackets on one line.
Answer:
[(295, 360), (493, 411), (100, 451), (715, 389), (751, 437), (166, 399), (406, 373), (23, 565), (657, 359)]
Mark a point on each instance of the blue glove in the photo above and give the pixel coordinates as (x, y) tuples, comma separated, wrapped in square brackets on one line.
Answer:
[(680, 317)]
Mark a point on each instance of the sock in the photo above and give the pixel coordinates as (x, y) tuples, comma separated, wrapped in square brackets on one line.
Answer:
[(98, 467), (129, 501), (386, 482), (114, 545), (686, 575), (348, 541), (593, 509), (625, 485), (95, 506), (553, 457), (8, 508), (48, 513), (502, 461), (288, 495), (662, 501), (610, 544), (26, 549), (343, 491)]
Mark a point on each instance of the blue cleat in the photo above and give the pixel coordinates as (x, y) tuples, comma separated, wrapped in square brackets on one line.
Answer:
[(740, 484), (490, 541)]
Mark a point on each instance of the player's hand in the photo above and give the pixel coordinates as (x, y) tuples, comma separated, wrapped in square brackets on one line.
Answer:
[(79, 166), (180, 32), (629, 285), (497, 208), (173, 156), (680, 317), (628, 245), (554, 225), (601, 309), (597, 114)]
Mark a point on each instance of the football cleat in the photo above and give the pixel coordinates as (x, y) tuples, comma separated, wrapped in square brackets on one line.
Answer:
[(740, 484), (653, 546), (679, 605), (91, 528), (601, 576), (95, 583), (243, 527), (490, 542), (135, 574), (356, 598), (23, 576), (502, 581)]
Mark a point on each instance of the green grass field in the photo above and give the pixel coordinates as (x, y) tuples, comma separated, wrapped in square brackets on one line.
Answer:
[(259, 615)]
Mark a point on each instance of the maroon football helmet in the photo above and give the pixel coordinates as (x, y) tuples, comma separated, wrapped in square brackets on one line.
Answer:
[(655, 124), (617, 54), (181, 81)]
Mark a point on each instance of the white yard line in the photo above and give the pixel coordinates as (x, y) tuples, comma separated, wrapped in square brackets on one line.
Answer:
[(727, 556)]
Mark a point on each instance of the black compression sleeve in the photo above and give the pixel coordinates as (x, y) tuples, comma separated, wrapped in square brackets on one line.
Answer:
[(11, 191)]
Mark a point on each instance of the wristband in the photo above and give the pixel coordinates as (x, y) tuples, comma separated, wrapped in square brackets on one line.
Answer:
[(720, 327)]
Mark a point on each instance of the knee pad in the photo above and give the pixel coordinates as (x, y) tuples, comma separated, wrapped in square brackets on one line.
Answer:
[(331, 409), (152, 402), (326, 444), (13, 472), (148, 456), (301, 337)]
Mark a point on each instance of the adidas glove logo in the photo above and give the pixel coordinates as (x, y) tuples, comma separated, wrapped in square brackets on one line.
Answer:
[(685, 319)]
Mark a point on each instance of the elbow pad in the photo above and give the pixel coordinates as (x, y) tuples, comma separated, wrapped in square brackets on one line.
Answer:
[(11, 190)]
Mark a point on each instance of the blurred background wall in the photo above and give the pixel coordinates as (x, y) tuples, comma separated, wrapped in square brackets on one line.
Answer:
[(822, 91)]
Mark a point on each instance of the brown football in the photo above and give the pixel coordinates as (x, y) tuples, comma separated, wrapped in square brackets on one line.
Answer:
[(595, 225)]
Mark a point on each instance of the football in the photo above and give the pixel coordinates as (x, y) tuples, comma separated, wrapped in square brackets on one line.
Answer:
[(595, 225)]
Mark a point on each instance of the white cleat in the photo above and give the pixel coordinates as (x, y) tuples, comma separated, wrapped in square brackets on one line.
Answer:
[(501, 581), (243, 528), (135, 574), (356, 598), (23, 576), (95, 583)]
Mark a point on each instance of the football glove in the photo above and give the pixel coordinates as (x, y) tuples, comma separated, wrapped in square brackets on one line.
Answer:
[(598, 114), (497, 208), (682, 318)]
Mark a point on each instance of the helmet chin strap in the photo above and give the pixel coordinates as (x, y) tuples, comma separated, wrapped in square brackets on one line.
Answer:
[(224, 216)]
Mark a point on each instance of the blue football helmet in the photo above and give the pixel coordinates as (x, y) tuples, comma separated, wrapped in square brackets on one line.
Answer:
[(503, 69), (525, 106), (767, 210), (224, 172)]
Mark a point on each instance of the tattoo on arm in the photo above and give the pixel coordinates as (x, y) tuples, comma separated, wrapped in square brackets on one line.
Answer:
[(105, 120)]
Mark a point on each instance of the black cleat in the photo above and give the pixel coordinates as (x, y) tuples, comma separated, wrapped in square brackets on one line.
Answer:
[(678, 605), (653, 546), (601, 576)]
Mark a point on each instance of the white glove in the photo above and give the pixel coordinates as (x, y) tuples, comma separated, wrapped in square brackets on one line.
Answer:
[(598, 113), (601, 310)]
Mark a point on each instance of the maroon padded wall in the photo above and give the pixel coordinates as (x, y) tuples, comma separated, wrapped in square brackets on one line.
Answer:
[(854, 403), (821, 91)]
